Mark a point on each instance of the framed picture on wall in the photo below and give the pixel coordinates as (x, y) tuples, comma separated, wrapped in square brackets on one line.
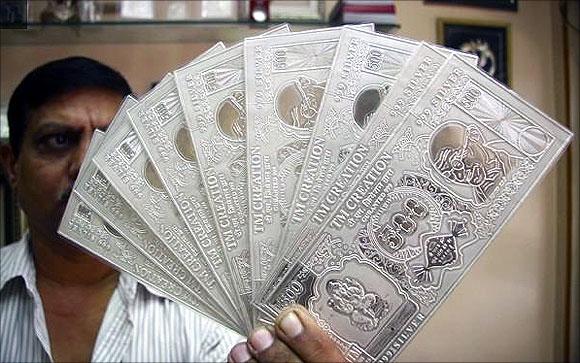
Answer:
[(490, 41), (297, 10), (510, 5), (13, 14)]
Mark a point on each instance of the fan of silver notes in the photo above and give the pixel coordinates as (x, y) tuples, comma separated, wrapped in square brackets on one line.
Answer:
[(356, 173)]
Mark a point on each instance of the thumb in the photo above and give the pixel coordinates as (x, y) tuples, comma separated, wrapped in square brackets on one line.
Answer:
[(296, 327)]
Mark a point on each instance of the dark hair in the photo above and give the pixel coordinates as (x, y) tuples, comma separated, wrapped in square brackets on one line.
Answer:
[(55, 79)]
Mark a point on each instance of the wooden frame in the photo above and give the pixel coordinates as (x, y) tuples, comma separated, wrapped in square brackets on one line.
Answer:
[(509, 5), (13, 14), (491, 41)]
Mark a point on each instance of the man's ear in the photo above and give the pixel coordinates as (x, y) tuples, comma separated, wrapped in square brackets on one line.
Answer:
[(8, 160)]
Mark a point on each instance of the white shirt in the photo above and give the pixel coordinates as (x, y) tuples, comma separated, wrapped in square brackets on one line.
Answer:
[(139, 325)]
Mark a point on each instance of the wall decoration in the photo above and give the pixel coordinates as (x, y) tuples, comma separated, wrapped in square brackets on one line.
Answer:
[(60, 11), (511, 5), (297, 10), (13, 14), (488, 40)]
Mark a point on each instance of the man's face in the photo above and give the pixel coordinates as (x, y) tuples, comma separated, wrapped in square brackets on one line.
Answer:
[(53, 148)]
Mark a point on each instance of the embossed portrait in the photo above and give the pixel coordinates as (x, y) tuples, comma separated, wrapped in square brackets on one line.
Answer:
[(231, 116), (461, 155), (360, 298), (298, 101), (152, 177), (367, 102), (347, 296), (184, 144)]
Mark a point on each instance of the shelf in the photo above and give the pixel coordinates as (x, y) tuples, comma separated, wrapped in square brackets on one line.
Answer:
[(147, 32)]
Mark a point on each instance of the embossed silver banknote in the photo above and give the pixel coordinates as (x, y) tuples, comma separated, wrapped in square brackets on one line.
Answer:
[(366, 66), (285, 79), (358, 174), (411, 83), (125, 164), (99, 220), (159, 122), (97, 191), (212, 94), (436, 194)]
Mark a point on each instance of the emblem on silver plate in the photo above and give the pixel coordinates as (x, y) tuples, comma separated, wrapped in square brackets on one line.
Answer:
[(349, 297), (231, 116), (298, 102)]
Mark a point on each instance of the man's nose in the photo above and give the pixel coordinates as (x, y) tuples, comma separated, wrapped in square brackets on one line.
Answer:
[(78, 157)]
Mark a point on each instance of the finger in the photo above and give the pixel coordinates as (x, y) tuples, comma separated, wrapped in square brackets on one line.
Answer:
[(264, 347), (240, 354), (296, 327)]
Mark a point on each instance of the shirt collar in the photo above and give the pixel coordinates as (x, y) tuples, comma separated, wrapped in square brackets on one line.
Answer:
[(128, 286), (16, 261)]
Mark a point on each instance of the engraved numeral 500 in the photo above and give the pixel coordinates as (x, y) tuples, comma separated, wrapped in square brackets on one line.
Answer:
[(403, 224), (280, 59), (374, 60)]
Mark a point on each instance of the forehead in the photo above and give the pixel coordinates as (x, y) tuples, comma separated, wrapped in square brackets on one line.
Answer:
[(87, 108)]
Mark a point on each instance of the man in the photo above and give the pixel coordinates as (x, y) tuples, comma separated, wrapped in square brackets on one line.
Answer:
[(59, 303)]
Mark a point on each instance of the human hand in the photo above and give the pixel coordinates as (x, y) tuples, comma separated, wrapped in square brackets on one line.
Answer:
[(295, 337)]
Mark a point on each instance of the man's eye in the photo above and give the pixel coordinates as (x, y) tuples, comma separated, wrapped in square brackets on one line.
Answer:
[(57, 142), (59, 139)]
